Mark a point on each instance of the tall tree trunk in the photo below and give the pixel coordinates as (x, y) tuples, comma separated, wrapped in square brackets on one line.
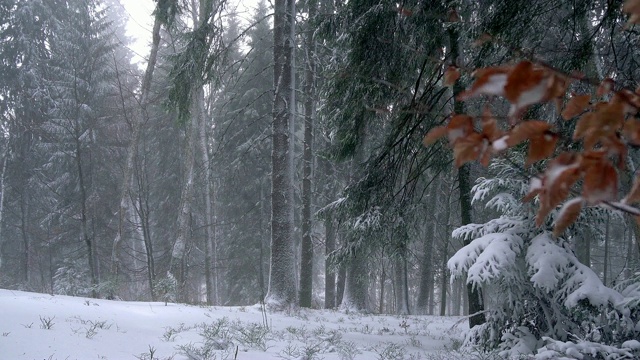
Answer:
[(306, 259), (605, 271), (356, 283), (282, 286), (340, 283), (133, 145), (425, 290), (209, 229), (464, 186), (84, 231), (330, 274), (26, 241), (383, 279), (5, 156), (402, 284), (186, 195), (444, 281)]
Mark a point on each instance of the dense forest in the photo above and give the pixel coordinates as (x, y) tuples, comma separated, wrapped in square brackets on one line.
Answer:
[(279, 159)]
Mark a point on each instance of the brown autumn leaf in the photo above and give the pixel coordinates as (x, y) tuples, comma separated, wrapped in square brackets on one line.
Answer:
[(452, 15), (459, 126), (575, 106), (526, 85), (526, 130), (451, 75), (434, 134), (594, 127), (560, 175), (467, 149), (586, 122), (632, 7), (535, 188), (567, 215), (614, 145), (634, 194), (490, 128), (559, 182), (405, 12), (541, 147), (605, 87), (489, 81), (482, 39), (600, 182), (629, 100)]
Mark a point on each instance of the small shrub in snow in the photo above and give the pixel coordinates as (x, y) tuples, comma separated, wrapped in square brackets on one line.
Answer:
[(252, 335), (71, 279), (165, 288), (46, 322), (390, 351), (348, 350)]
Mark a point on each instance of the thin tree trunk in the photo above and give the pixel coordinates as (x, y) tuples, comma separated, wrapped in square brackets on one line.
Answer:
[(25, 236), (133, 144), (383, 279), (330, 275), (340, 283), (444, 281), (2, 192), (605, 271), (84, 232)]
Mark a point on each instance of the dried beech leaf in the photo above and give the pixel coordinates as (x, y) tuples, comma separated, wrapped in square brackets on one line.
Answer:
[(535, 188), (452, 16), (451, 75), (489, 81), (525, 86), (543, 211), (634, 194), (559, 189), (405, 12), (467, 149), (586, 122), (460, 126), (567, 215), (527, 130), (482, 39), (541, 147), (631, 131), (575, 106), (605, 87), (490, 127), (561, 174), (632, 7), (434, 134), (600, 183)]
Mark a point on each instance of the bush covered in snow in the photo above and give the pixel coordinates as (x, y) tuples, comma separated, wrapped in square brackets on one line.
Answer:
[(540, 300)]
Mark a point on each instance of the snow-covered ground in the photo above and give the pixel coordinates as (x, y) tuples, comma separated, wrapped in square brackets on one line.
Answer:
[(40, 326)]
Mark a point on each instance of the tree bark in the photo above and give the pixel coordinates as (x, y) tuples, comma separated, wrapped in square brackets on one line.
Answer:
[(133, 145), (282, 287), (306, 259), (464, 186), (330, 275)]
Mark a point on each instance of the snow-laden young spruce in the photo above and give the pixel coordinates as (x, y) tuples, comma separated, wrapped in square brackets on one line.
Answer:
[(540, 299)]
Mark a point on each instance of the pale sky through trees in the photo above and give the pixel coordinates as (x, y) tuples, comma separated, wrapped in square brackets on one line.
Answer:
[(140, 21)]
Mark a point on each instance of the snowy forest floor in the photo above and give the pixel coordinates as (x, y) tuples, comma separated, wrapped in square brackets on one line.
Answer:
[(40, 326)]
